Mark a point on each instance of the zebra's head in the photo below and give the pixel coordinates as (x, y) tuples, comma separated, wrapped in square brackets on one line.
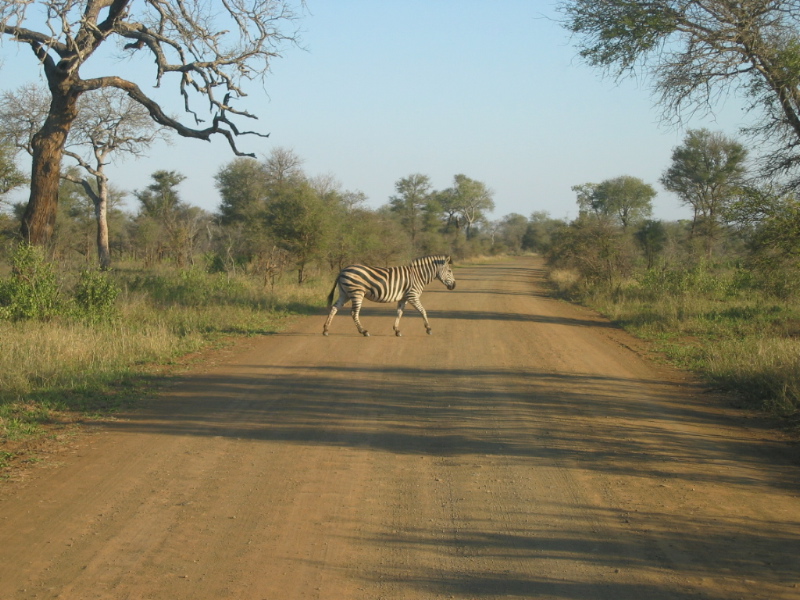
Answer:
[(445, 273)]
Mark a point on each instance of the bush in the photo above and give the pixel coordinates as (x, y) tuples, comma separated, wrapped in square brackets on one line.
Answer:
[(95, 296), (32, 290)]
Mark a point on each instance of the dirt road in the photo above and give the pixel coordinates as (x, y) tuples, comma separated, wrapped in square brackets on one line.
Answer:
[(521, 451)]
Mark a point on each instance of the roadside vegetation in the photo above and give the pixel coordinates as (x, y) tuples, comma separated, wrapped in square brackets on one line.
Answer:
[(718, 294)]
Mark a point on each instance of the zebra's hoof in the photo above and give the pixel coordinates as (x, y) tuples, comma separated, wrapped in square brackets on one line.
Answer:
[(365, 333), (398, 334), (325, 333), (430, 331)]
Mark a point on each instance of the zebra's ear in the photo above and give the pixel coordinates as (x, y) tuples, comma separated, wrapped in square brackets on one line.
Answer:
[(448, 261)]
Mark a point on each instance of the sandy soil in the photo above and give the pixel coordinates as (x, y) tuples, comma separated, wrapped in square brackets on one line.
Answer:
[(524, 450)]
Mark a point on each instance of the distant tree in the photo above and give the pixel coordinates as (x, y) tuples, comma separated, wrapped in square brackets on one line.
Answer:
[(512, 230), (207, 49), (697, 52), (161, 200), (169, 225), (707, 173), (283, 167), (473, 199), (585, 196), (539, 234), (450, 210), (243, 187), (413, 195), (652, 237), (627, 199), (10, 176), (298, 219), (396, 245)]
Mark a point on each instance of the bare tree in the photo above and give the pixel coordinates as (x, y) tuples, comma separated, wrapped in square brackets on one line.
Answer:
[(108, 123), (283, 166), (206, 49)]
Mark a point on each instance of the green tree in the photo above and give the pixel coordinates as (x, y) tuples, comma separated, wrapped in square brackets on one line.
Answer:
[(585, 195), (167, 224), (652, 237), (707, 173), (540, 231), (299, 220), (473, 200), (449, 209), (413, 196), (697, 52), (770, 221), (161, 200), (627, 199), (512, 230), (243, 187)]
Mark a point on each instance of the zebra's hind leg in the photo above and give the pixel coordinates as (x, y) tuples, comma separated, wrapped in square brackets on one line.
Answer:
[(335, 307), (331, 314), (400, 306), (355, 312)]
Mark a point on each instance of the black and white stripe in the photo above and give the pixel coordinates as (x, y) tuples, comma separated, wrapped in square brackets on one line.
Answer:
[(392, 284)]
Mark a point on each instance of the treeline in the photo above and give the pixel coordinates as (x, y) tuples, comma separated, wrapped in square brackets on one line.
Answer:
[(273, 218), (741, 226)]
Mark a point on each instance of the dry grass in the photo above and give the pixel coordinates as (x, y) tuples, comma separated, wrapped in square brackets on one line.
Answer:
[(66, 368), (739, 339)]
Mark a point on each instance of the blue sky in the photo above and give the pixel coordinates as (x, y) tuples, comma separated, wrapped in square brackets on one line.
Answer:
[(385, 89)]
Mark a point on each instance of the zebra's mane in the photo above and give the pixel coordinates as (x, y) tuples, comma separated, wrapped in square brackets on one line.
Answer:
[(432, 259)]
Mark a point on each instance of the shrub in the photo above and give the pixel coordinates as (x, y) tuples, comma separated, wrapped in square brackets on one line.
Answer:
[(95, 296), (32, 290)]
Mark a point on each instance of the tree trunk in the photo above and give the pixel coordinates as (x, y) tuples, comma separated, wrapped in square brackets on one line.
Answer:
[(101, 213), (39, 218)]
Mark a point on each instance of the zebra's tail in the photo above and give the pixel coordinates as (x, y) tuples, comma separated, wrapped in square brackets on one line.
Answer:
[(330, 296)]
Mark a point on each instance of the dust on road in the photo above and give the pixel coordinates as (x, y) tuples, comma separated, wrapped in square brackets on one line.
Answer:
[(524, 450)]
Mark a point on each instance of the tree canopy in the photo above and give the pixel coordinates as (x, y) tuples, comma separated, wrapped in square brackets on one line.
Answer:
[(706, 173), (697, 52)]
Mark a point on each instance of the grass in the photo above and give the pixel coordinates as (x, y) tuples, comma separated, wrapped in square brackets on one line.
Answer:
[(67, 369), (738, 338)]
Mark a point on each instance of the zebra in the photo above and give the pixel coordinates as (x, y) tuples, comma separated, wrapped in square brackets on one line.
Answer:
[(392, 284)]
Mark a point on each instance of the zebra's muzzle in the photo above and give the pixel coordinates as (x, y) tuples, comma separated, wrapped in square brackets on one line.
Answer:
[(451, 286)]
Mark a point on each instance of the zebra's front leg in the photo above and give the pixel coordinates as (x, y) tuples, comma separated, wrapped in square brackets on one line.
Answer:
[(355, 312), (416, 304), (400, 307)]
